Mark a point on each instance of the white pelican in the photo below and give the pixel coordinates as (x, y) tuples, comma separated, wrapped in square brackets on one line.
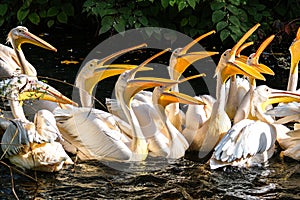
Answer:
[(162, 96), (204, 139), (236, 87), (295, 57), (13, 61), (33, 145), (252, 142), (243, 110), (179, 61)]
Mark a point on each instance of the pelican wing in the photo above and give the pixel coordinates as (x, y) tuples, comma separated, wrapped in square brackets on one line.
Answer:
[(244, 140), (15, 138), (90, 134)]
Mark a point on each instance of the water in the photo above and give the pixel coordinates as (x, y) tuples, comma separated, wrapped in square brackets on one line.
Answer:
[(185, 178)]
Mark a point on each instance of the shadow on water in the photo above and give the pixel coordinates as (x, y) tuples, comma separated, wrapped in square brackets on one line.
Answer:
[(185, 178)]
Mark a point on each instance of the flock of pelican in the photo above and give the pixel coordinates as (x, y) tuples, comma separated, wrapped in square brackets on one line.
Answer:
[(239, 127)]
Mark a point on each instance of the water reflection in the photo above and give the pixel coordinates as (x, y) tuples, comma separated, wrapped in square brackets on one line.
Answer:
[(151, 179)]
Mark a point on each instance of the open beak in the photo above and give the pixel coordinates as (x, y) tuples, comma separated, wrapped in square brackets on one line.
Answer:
[(143, 83), (295, 52), (168, 97), (186, 59), (43, 91), (261, 67), (102, 72), (281, 96), (237, 67), (28, 37)]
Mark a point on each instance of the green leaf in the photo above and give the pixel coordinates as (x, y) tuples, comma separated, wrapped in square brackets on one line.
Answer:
[(235, 2), (68, 9), (109, 11), (218, 15), (242, 15), (234, 37), (193, 20), (181, 5), (192, 3), (164, 3), (138, 13), (107, 21), (184, 21), (43, 13), (143, 20), (251, 11), (233, 9), (104, 29), (235, 29), (52, 11), (224, 34), (137, 25), (221, 25), (119, 25), (3, 9), (34, 18), (215, 5), (50, 23), (62, 17), (234, 20), (27, 3), (22, 13)]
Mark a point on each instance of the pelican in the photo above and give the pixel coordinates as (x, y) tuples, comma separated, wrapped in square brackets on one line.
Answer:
[(13, 61), (243, 110), (33, 145), (179, 61), (295, 57), (204, 139), (236, 87), (252, 142), (162, 96)]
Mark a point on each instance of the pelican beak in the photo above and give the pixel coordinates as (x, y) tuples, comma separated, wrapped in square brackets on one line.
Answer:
[(295, 53), (102, 72), (106, 59), (261, 67), (238, 67), (43, 91), (186, 59), (281, 96), (243, 39), (28, 37), (135, 70), (142, 83), (168, 97), (241, 48)]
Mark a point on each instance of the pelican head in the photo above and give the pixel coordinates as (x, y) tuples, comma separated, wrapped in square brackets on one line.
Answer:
[(180, 59), (20, 35), (96, 70), (229, 66), (254, 58), (127, 86)]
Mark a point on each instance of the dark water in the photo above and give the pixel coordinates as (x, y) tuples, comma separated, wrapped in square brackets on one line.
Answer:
[(152, 179)]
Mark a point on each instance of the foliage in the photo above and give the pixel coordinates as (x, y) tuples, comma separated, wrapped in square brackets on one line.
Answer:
[(47, 11), (230, 18)]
